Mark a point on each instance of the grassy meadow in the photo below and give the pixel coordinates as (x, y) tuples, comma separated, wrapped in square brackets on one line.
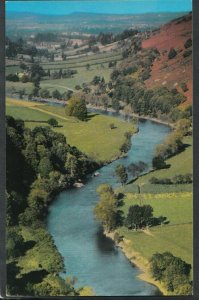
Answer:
[(178, 164), (175, 237), (177, 207), (94, 137)]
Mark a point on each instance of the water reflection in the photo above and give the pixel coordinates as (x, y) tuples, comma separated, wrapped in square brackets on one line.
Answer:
[(105, 244)]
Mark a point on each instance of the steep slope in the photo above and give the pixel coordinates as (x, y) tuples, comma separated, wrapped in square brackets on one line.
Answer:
[(174, 72)]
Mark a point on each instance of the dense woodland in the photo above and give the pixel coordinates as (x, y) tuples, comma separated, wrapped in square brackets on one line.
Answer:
[(39, 164)]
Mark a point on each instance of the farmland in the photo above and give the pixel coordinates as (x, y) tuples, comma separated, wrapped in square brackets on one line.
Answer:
[(175, 237), (94, 137), (97, 67), (172, 201)]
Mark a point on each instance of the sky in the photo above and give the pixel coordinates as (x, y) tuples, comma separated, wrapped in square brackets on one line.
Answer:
[(98, 6)]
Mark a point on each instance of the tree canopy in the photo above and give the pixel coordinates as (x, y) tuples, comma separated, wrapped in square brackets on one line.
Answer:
[(121, 173), (76, 107), (173, 271)]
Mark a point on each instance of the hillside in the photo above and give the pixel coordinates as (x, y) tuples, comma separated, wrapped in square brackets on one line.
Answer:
[(172, 72)]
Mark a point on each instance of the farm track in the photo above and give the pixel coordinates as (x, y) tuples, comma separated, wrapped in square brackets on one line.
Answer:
[(49, 113)]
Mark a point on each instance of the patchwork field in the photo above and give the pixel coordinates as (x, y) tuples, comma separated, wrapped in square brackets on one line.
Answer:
[(87, 67), (94, 137), (62, 85)]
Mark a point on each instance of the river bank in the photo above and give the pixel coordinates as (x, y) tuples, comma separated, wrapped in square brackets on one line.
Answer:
[(111, 110), (139, 261), (96, 257)]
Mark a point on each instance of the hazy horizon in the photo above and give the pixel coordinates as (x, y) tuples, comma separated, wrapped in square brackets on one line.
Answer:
[(130, 7)]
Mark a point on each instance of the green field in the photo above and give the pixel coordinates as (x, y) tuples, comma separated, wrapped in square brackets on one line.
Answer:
[(156, 188), (62, 85), (17, 86), (177, 207), (179, 164), (177, 239), (26, 113), (12, 69), (94, 137), (83, 76), (176, 236)]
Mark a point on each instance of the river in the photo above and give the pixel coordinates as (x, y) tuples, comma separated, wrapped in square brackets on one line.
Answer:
[(88, 254)]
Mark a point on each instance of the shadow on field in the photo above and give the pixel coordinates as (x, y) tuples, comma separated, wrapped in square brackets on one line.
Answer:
[(91, 116)]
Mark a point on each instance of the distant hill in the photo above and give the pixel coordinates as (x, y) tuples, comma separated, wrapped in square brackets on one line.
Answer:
[(175, 72), (26, 23)]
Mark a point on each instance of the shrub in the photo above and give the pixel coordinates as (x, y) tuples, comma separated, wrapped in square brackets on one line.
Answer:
[(158, 162), (12, 77), (52, 122), (184, 87), (172, 53), (188, 43), (56, 95), (187, 53), (112, 126), (145, 75), (78, 87)]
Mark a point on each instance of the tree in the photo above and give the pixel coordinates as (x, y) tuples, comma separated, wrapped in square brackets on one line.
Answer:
[(158, 162), (14, 243), (76, 107), (36, 72), (172, 271), (45, 167), (187, 53), (121, 174), (126, 146), (188, 43), (106, 209), (96, 80), (12, 77), (56, 95), (133, 219), (172, 53), (183, 126), (184, 87), (105, 188), (44, 93), (139, 216), (37, 201), (52, 122)]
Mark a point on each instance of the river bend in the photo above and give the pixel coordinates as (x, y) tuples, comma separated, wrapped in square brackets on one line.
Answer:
[(88, 254)]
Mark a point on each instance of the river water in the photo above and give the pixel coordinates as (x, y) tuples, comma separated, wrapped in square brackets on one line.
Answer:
[(88, 254)]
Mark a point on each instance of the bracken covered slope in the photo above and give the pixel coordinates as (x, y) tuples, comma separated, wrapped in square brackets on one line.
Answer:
[(172, 72)]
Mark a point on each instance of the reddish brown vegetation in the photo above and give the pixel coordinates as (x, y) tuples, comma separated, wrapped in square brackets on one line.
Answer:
[(172, 72)]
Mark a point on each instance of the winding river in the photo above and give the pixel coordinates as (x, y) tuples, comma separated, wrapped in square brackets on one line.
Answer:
[(88, 254)]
